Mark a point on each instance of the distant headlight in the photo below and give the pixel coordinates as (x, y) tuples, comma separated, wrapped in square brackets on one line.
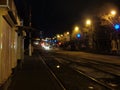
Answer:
[(47, 47), (36, 43)]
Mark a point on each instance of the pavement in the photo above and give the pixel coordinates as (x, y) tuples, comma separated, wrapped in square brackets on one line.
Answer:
[(34, 75)]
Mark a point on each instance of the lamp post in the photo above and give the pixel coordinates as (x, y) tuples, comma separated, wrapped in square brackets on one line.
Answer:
[(66, 36), (75, 32), (113, 20), (76, 35), (110, 17), (89, 33), (115, 39), (30, 45)]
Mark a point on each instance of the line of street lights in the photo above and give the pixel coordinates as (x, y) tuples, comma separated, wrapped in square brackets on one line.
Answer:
[(109, 20)]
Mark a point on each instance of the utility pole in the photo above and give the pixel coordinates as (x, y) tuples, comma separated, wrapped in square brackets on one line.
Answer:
[(30, 45)]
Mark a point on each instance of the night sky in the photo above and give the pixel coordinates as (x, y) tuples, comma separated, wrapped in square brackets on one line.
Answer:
[(58, 16)]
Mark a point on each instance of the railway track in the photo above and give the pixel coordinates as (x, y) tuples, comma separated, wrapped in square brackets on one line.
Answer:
[(106, 74), (65, 68)]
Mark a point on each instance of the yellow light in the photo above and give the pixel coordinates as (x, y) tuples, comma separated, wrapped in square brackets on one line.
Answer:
[(58, 36), (68, 33), (58, 66), (91, 87), (113, 12), (76, 28), (88, 22), (61, 35)]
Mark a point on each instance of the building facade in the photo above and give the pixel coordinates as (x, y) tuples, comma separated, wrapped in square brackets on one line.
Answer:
[(10, 41)]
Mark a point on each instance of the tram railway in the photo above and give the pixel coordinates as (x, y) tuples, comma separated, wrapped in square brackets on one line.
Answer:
[(69, 73), (105, 73)]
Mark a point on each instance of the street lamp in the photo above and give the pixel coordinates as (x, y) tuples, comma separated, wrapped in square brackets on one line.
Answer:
[(113, 12), (112, 19), (67, 33), (67, 36), (115, 42), (109, 17), (88, 22), (76, 28), (75, 32), (90, 33)]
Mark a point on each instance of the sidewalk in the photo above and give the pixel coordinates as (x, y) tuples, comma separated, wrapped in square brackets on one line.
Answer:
[(33, 76)]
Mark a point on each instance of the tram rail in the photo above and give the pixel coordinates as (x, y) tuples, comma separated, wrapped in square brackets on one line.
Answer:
[(107, 82)]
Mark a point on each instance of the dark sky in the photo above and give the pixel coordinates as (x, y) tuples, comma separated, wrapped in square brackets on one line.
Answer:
[(58, 16)]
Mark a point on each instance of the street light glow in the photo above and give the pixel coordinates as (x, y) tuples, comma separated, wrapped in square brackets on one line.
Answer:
[(76, 28), (113, 12), (61, 35), (88, 22), (68, 33), (58, 36)]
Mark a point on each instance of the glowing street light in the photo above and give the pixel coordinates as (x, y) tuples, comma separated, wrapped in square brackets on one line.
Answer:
[(110, 17), (113, 12), (76, 28), (89, 33), (88, 22), (67, 36), (61, 35), (68, 33), (58, 36), (75, 31)]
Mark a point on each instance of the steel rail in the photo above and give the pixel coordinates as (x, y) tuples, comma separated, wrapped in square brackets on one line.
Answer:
[(92, 78), (59, 82), (88, 76)]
